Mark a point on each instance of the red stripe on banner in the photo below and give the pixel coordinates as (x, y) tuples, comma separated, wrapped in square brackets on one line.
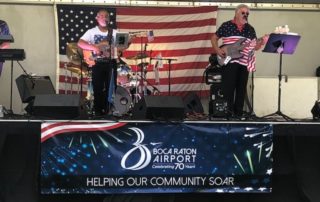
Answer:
[(165, 25), (72, 80), (155, 11), (69, 92), (173, 53), (179, 66), (178, 80), (171, 39)]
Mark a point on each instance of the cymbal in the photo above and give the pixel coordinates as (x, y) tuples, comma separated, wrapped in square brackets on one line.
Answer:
[(73, 54), (77, 70), (137, 57)]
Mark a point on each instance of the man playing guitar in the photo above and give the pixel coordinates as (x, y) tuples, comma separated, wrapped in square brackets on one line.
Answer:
[(236, 70), (100, 54)]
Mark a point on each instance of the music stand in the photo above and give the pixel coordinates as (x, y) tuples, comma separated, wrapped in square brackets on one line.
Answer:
[(281, 44)]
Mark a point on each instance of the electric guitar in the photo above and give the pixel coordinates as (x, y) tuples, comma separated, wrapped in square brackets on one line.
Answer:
[(104, 52), (233, 51)]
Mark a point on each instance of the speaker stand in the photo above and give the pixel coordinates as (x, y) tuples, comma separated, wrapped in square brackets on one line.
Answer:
[(10, 110)]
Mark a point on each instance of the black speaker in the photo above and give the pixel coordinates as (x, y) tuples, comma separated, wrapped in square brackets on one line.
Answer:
[(192, 103), (29, 86), (159, 108), (57, 106), (316, 111)]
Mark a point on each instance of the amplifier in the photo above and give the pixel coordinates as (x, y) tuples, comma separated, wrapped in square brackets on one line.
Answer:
[(218, 108), (216, 92)]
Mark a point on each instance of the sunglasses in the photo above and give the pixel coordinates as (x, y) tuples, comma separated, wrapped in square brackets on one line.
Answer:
[(245, 13)]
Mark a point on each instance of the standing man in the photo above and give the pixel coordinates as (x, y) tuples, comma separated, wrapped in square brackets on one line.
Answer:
[(99, 42), (235, 73), (4, 30)]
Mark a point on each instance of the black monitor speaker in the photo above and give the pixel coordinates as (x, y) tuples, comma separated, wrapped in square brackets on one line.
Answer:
[(316, 111), (58, 106), (159, 108), (30, 86), (192, 103)]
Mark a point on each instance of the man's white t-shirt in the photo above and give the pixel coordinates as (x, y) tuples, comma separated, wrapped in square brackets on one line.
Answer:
[(95, 36)]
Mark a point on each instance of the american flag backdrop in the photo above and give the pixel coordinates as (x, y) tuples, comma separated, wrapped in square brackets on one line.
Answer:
[(182, 34)]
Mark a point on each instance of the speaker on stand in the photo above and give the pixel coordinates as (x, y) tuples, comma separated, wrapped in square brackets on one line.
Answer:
[(30, 86)]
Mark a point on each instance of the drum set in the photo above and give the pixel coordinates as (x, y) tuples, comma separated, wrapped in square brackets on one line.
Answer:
[(131, 85)]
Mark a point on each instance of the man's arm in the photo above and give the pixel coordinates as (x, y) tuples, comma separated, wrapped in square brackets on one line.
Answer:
[(215, 46), (261, 42), (87, 46)]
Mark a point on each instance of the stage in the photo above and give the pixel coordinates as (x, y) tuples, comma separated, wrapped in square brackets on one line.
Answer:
[(295, 165)]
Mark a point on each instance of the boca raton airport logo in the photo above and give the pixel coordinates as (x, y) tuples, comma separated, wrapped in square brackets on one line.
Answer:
[(145, 154), (163, 157)]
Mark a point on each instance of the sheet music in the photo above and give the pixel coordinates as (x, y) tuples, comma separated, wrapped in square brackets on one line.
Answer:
[(122, 39)]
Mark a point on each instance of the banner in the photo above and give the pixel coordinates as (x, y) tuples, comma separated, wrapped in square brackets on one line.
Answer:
[(181, 34), (149, 157)]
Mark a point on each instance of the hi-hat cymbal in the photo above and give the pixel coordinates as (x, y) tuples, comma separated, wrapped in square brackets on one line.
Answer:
[(73, 54), (137, 57)]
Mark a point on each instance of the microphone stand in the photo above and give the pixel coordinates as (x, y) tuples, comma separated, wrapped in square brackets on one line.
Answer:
[(169, 62), (81, 73)]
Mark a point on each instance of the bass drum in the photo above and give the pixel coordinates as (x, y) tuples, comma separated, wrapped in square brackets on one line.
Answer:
[(122, 101)]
